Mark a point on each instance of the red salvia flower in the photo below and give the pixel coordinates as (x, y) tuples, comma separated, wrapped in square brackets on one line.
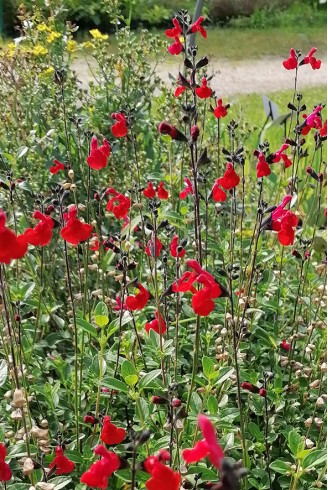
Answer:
[(64, 466), (41, 234), (248, 386), (172, 131), (54, 169), (209, 446), (217, 193), (323, 130), (202, 303), (139, 301), (176, 47), (187, 190), (230, 179), (174, 248), (262, 167), (175, 31), (119, 130), (277, 156), (197, 27), (312, 119), (11, 246), (99, 472), (162, 476), (5, 471), (99, 155), (309, 58), (74, 230), (162, 193), (153, 249), (149, 192), (89, 419), (286, 233), (221, 110), (285, 345), (119, 205), (280, 210), (291, 62), (185, 283), (110, 434), (179, 90), (204, 91), (158, 324)]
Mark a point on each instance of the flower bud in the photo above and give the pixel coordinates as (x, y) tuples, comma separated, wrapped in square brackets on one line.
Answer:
[(71, 173), (194, 132), (176, 402), (159, 400)]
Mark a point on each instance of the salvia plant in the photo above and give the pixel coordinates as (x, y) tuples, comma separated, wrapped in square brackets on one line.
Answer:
[(162, 271)]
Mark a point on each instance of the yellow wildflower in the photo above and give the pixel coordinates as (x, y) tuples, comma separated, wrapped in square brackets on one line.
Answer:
[(39, 50), (53, 36), (96, 34), (48, 71), (71, 46), (88, 45), (43, 27), (11, 48)]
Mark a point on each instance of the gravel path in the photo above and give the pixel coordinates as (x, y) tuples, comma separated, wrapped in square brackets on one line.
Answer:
[(240, 77)]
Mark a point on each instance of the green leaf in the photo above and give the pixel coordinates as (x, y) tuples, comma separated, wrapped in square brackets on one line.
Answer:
[(115, 384), (21, 152), (101, 314), (255, 431), (265, 337), (3, 372), (295, 442), (146, 381), (212, 405), (224, 373), (127, 368), (87, 327), (131, 379), (280, 466), (315, 458), (60, 482), (208, 367)]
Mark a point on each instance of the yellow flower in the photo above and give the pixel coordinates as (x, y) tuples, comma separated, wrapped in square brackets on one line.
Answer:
[(71, 46), (39, 50), (43, 27), (53, 36), (48, 71), (88, 45), (97, 35), (11, 48), (181, 39)]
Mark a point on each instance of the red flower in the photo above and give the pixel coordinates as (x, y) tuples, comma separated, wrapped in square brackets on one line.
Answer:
[(94, 243), (139, 301), (158, 324), (230, 179), (98, 157), (74, 230), (149, 192), (41, 234), (57, 167), (119, 129), (280, 210), (285, 345), (110, 434), (161, 192), (176, 31), (285, 227), (218, 194), (99, 472), (162, 476), (197, 27), (277, 156), (64, 466), (174, 248), (179, 90), (172, 131), (248, 386), (89, 419), (203, 92), (209, 446), (187, 190), (185, 283), (5, 471), (309, 58), (262, 167), (323, 130), (291, 62), (154, 249), (202, 303), (221, 110), (11, 246), (312, 119), (121, 209), (176, 47)]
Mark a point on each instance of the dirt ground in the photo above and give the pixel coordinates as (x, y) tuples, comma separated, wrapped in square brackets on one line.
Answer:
[(239, 77)]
